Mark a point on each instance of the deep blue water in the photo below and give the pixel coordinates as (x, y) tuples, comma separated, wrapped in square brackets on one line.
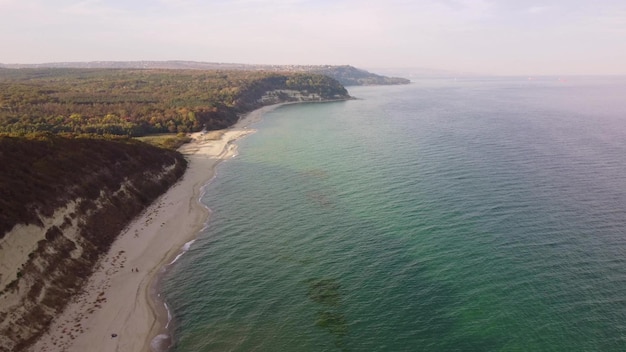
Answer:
[(469, 215)]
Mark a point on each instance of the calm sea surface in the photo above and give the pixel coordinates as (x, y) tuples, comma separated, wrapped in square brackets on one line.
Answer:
[(469, 215)]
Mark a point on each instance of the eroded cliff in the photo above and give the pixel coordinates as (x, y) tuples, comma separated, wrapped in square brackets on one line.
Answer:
[(63, 201)]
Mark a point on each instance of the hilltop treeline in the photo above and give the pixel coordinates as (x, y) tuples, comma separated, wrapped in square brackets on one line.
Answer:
[(140, 102), (345, 74)]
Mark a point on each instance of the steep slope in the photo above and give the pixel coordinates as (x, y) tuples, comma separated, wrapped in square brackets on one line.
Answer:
[(63, 203)]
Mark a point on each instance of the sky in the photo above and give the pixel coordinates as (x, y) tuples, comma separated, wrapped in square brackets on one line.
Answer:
[(503, 37)]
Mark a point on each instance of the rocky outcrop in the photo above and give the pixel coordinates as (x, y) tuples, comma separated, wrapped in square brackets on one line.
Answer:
[(297, 87), (288, 95), (46, 259)]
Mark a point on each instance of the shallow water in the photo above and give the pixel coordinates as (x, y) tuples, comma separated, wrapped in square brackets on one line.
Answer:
[(444, 215)]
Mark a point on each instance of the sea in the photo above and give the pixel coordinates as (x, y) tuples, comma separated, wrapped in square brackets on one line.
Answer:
[(470, 214)]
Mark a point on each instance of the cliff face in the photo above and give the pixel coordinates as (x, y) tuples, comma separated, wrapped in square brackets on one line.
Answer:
[(54, 229), (294, 88)]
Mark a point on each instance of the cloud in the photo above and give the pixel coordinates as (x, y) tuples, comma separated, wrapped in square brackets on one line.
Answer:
[(91, 8), (613, 22), (538, 9)]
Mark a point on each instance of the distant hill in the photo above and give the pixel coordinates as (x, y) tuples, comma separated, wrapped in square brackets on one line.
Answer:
[(345, 74), (352, 76), (424, 73)]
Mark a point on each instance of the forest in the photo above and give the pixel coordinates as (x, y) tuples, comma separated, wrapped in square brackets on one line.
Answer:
[(136, 102)]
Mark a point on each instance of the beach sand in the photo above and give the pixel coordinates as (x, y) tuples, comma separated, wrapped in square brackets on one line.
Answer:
[(119, 310)]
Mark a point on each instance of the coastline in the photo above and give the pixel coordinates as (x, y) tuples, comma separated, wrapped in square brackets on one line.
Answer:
[(119, 308)]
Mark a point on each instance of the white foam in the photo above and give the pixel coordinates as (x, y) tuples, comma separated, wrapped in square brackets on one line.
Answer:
[(169, 315), (187, 245), (160, 343), (184, 250)]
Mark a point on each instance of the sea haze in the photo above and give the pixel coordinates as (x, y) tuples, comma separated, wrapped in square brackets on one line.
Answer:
[(468, 215)]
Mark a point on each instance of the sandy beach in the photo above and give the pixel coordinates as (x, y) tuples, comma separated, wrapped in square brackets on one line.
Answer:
[(117, 310)]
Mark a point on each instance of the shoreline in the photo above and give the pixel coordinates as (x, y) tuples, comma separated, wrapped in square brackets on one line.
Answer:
[(119, 308), (160, 338)]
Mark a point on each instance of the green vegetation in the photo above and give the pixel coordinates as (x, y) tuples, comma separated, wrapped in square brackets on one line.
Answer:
[(140, 102), (345, 74), (37, 104), (166, 141)]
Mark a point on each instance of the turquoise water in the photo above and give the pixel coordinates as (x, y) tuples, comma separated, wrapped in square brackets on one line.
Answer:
[(473, 215)]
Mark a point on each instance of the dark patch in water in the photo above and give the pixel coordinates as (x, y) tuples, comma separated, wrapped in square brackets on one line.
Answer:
[(316, 173), (320, 199), (326, 292), (334, 322)]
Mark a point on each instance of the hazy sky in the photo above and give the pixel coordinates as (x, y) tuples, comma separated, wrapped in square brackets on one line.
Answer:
[(482, 36)]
